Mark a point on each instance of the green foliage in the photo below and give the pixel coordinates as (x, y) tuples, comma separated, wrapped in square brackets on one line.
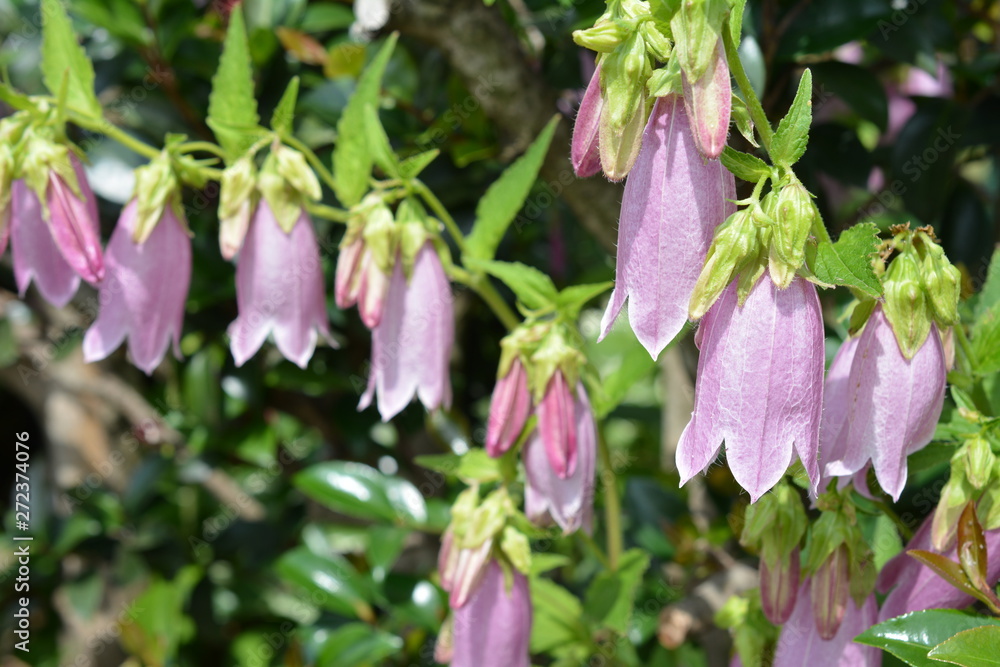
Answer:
[(977, 647), (532, 288), (363, 492), (232, 106), (848, 261), (66, 69), (792, 136), (743, 165), (499, 206), (912, 636)]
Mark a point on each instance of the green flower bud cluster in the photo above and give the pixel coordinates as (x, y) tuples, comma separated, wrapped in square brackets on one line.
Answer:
[(921, 288), (489, 525), (287, 183), (834, 538), (973, 466), (543, 348), (775, 524)]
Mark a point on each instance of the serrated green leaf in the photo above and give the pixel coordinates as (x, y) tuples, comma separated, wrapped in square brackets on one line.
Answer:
[(736, 20), (989, 295), (284, 112), (611, 596), (986, 340), (502, 201), (413, 165), (977, 647), (910, 637), (743, 165), (232, 107), (572, 299), (378, 143), (532, 288), (848, 261), (792, 135), (63, 59), (352, 157)]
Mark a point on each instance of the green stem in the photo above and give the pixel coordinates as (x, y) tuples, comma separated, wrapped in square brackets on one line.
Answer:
[(753, 104), (612, 504), (481, 285), (204, 147), (905, 530), (328, 212), (440, 211), (313, 160), (963, 343), (108, 129), (589, 542)]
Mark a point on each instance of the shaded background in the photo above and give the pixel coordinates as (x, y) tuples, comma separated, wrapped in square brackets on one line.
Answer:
[(169, 523)]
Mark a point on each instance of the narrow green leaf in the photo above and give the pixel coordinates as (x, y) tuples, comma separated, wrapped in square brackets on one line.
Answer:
[(989, 295), (977, 647), (972, 547), (848, 261), (743, 165), (572, 299), (792, 135), (556, 616), (64, 58), (475, 465), (947, 569), (284, 113), (352, 157), (611, 595), (736, 20), (532, 288), (378, 143), (358, 644), (232, 108), (413, 165), (502, 201), (910, 637), (986, 340)]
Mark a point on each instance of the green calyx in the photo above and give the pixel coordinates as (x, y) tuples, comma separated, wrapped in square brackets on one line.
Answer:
[(837, 526), (156, 187), (287, 183), (475, 523), (794, 214), (697, 28), (775, 524), (237, 185), (738, 245), (921, 288), (555, 353)]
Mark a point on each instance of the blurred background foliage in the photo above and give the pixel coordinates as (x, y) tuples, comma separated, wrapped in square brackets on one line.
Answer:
[(251, 516)]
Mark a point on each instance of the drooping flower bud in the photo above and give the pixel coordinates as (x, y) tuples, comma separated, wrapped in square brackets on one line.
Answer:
[(709, 102), (623, 116), (779, 585), (287, 184), (829, 589), (557, 426), (882, 385), (411, 346), (801, 644), (774, 526), (794, 215), (279, 290), (673, 202), (36, 256), (494, 627), (763, 403), (905, 305), (735, 244), (942, 281), (509, 410), (585, 152), (568, 500), (144, 291), (972, 467), (236, 205), (156, 188)]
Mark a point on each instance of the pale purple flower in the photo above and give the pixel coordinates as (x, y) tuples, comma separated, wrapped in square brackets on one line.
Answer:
[(779, 587), (36, 256), (913, 586), (585, 152), (557, 425), (493, 629), (709, 103), (890, 407), (359, 280), (759, 386), (566, 499), (462, 569), (279, 290), (143, 294), (411, 346), (673, 201), (75, 225), (800, 644), (509, 410)]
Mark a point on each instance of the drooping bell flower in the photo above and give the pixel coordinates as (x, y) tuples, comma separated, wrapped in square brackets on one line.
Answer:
[(411, 346), (913, 586), (509, 410), (279, 290), (36, 257), (585, 152), (779, 585), (557, 421), (494, 627), (890, 407), (673, 201), (364, 264), (709, 103), (568, 500), (462, 569), (143, 294), (759, 386), (800, 644), (74, 223)]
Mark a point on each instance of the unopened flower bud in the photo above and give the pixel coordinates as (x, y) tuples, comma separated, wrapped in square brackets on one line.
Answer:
[(509, 409), (156, 185), (585, 151), (779, 584), (829, 592), (292, 165), (906, 304), (709, 102), (236, 205), (943, 284), (736, 241), (794, 215), (603, 37), (623, 117), (347, 280), (979, 462)]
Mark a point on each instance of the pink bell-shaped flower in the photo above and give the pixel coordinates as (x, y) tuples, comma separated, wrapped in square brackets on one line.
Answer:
[(673, 201), (279, 290), (759, 386), (509, 410), (36, 256), (75, 225), (568, 499), (709, 102), (585, 152), (888, 407), (494, 627), (411, 346), (143, 293)]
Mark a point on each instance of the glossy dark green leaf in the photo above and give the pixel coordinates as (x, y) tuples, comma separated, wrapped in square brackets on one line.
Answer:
[(358, 644), (911, 636), (360, 491), (331, 581), (978, 647)]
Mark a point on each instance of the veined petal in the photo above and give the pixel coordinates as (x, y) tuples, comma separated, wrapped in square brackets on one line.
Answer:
[(801, 646), (836, 403), (585, 152), (74, 224), (673, 201), (759, 386), (493, 628), (557, 426), (709, 102), (36, 256), (509, 409)]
